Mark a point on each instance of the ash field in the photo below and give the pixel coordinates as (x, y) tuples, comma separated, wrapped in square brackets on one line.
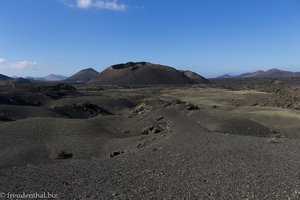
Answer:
[(183, 137)]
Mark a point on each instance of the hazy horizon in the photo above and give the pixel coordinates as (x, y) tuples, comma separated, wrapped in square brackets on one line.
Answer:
[(212, 38), (212, 76)]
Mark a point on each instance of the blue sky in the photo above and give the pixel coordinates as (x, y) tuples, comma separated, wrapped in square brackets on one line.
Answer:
[(211, 37)]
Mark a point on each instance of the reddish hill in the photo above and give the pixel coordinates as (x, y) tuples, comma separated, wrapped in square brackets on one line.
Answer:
[(195, 77), (272, 73)]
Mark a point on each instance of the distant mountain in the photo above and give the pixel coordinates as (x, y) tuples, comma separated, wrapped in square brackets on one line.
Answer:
[(83, 75), (54, 77), (225, 76), (272, 73), (143, 73), (51, 77)]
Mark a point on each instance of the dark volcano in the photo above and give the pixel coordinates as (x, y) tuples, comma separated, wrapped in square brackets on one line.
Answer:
[(142, 73)]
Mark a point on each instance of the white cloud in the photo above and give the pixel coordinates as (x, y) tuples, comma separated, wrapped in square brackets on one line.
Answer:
[(2, 61), (109, 5), (67, 3), (17, 65), (98, 4), (84, 3)]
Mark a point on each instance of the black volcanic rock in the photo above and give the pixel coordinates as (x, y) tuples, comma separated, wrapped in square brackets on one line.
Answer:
[(141, 73), (81, 111), (83, 75), (57, 91)]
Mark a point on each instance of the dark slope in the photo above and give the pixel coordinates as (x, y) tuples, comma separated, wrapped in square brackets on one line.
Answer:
[(83, 75), (141, 73), (4, 78), (21, 81)]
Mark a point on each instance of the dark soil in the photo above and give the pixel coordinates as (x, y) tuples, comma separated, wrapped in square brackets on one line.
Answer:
[(81, 111)]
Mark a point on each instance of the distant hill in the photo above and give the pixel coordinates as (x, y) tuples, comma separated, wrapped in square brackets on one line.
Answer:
[(279, 73), (21, 80), (258, 73), (272, 73), (6, 80), (51, 77), (144, 73), (83, 75), (195, 77)]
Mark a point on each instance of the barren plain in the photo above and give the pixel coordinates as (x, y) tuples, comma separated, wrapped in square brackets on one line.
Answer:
[(231, 139)]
